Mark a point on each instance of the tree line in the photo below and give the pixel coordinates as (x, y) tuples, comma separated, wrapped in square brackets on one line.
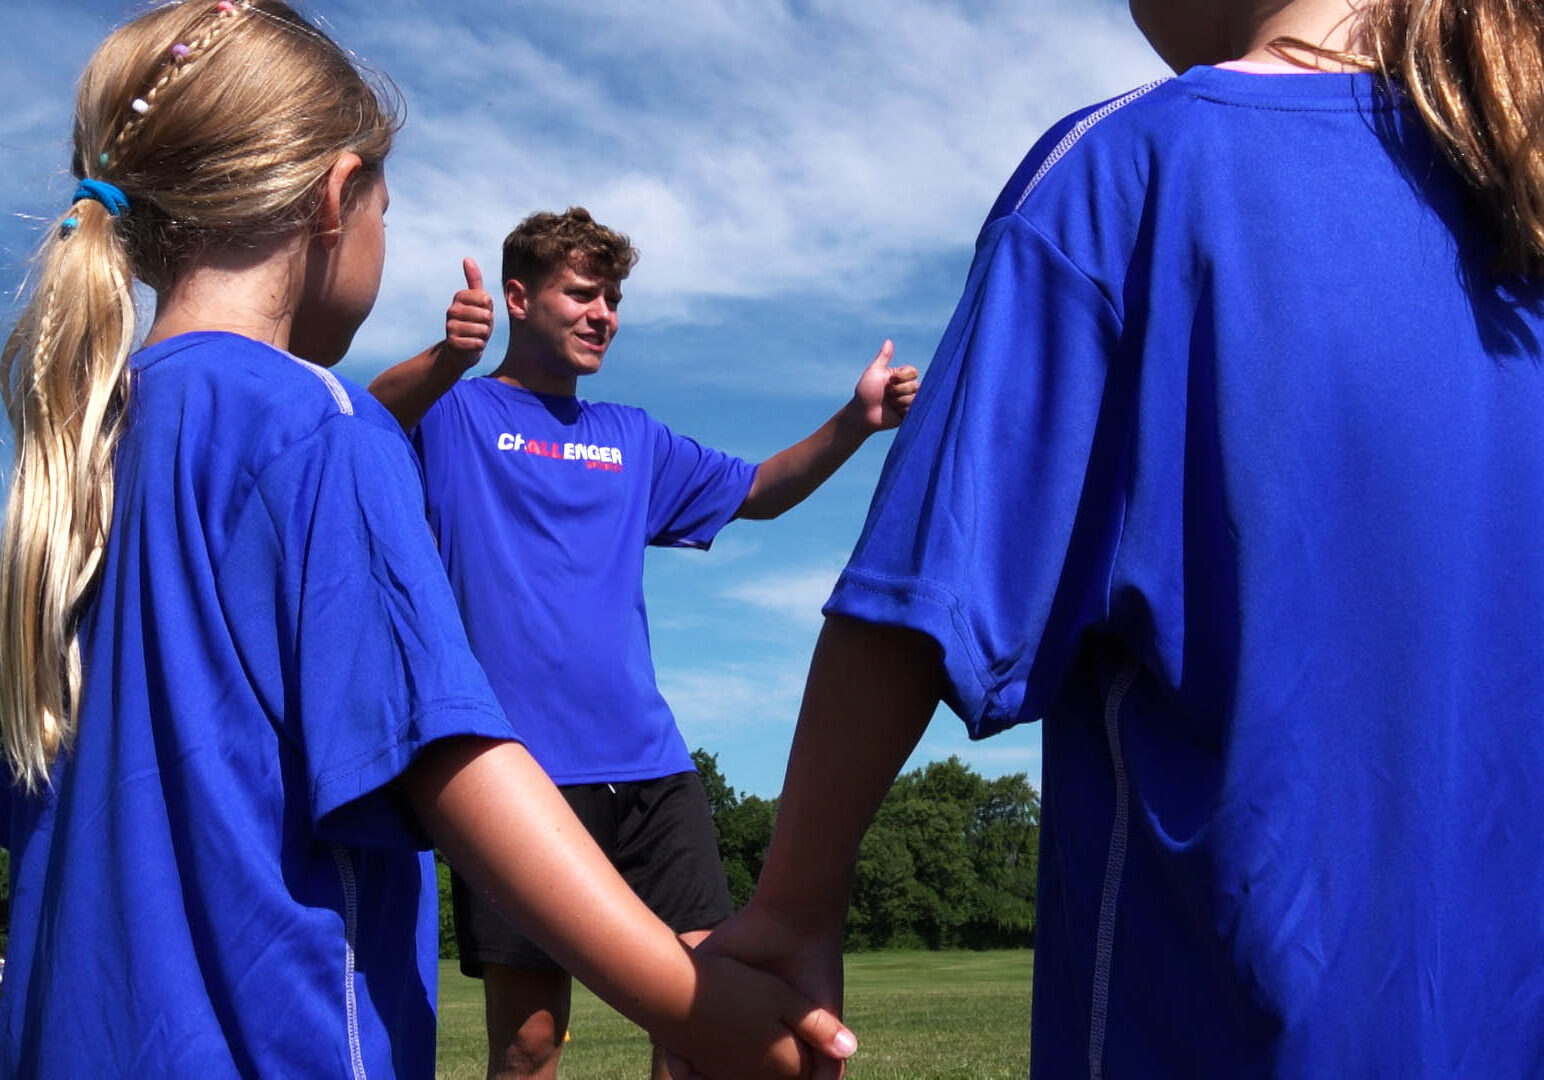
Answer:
[(948, 863)]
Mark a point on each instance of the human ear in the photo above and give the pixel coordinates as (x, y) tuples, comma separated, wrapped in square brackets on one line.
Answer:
[(335, 190), (516, 298)]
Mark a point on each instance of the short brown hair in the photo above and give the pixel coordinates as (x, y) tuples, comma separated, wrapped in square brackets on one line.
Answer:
[(545, 241)]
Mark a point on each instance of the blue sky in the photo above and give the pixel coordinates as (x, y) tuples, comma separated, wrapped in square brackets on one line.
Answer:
[(804, 178)]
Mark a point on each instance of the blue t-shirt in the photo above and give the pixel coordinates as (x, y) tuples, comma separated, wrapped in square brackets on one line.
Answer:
[(543, 507), (1228, 466), (220, 881)]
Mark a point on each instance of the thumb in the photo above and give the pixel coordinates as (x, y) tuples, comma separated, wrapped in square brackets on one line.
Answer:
[(473, 274), (823, 1031), (883, 357)]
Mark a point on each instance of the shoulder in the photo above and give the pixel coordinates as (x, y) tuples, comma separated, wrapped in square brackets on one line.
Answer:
[(1204, 130), (1100, 151), (252, 399)]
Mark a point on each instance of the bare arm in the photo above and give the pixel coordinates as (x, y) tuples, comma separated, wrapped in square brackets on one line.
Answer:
[(871, 692), (410, 388), (880, 401), (503, 825)]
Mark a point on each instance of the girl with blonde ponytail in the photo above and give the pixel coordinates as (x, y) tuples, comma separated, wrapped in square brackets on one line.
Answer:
[(236, 701), (1230, 470)]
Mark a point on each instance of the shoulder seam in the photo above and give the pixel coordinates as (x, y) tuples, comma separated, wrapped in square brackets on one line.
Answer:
[(329, 380), (1080, 129)]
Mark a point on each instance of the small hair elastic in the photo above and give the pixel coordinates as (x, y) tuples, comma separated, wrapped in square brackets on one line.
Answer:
[(140, 105), (180, 50), (107, 194), (102, 159), (68, 225), (225, 7)]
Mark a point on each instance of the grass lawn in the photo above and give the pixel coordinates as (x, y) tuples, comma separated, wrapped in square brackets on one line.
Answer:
[(918, 1015)]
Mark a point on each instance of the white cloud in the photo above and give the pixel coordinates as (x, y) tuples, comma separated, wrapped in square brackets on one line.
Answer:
[(794, 594), (753, 149), (749, 151), (710, 701)]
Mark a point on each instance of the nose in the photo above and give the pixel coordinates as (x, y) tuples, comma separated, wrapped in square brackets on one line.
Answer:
[(601, 313)]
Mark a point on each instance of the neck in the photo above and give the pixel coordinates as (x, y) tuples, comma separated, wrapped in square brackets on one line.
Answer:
[(1329, 25), (251, 292), (523, 367)]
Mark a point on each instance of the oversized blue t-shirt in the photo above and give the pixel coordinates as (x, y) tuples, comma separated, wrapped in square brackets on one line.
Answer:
[(542, 506), (219, 881), (1229, 468)]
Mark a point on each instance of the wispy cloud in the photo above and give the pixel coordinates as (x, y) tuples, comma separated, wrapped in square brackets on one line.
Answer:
[(794, 594), (753, 149), (750, 149)]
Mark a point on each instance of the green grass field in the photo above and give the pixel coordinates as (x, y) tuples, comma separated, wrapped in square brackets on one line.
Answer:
[(918, 1015)]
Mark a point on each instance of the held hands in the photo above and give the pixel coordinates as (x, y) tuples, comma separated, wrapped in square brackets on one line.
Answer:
[(748, 1023), (884, 394), (811, 964), (469, 319)]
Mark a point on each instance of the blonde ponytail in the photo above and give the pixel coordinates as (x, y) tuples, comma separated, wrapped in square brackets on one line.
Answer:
[(65, 375), (218, 122)]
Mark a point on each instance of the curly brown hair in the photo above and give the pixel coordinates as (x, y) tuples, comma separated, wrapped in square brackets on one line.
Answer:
[(545, 241)]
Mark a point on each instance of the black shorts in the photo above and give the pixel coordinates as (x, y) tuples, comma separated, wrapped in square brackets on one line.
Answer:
[(659, 836)]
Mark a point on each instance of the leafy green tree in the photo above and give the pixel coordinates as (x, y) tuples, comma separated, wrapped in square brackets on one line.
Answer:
[(743, 827), (949, 862), (447, 918)]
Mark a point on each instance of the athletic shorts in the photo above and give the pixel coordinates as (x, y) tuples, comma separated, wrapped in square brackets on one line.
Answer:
[(659, 836)]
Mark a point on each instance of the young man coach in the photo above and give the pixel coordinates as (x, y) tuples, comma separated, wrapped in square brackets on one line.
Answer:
[(542, 504)]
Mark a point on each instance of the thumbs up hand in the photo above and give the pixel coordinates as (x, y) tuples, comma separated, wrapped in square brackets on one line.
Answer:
[(884, 394), (469, 319)]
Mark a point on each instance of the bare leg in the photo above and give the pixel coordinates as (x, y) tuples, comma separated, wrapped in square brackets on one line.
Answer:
[(527, 1015), (657, 1070)]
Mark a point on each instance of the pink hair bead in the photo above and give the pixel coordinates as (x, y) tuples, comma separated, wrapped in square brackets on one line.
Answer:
[(225, 7), (180, 50)]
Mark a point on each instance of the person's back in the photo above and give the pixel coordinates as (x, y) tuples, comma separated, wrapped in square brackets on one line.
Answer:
[(1266, 531), (222, 570), (1226, 469)]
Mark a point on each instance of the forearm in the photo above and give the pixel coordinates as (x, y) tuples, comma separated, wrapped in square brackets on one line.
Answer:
[(410, 388), (499, 820), (788, 477), (871, 692)]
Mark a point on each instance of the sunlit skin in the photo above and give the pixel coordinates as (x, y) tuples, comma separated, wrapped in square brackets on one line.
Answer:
[(565, 325), (306, 291), (560, 330)]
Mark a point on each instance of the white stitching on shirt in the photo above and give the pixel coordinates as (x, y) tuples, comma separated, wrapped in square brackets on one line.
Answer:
[(1105, 948), (350, 931), (1080, 129), (334, 387)]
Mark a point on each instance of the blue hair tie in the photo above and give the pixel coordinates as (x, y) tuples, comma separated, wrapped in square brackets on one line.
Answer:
[(103, 192)]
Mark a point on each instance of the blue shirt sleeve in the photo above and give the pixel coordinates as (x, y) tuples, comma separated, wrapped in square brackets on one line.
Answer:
[(985, 531), (696, 490), (370, 651)]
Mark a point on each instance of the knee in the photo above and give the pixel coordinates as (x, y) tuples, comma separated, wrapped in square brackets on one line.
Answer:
[(529, 1052)]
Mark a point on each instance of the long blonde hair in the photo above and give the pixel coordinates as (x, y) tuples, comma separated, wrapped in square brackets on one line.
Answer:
[(1475, 70), (218, 122)]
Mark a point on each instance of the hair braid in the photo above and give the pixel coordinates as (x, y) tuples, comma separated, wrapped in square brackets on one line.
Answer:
[(173, 65)]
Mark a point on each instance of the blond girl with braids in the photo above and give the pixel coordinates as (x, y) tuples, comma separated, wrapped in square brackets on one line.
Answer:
[(1230, 470), (237, 700)]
